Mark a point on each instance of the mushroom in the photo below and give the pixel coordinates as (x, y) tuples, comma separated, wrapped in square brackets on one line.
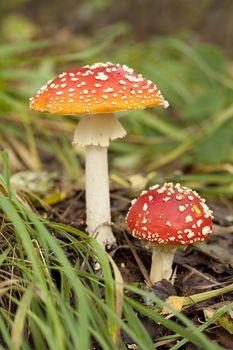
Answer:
[(168, 217), (97, 91)]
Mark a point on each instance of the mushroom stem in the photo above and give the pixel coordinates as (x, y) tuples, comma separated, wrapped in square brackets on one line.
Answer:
[(97, 196), (94, 133), (161, 264)]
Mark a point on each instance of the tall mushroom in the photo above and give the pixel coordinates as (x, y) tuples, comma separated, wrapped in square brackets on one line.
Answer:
[(97, 91), (167, 217)]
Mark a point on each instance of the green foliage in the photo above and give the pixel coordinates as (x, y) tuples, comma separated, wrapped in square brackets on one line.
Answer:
[(215, 147), (18, 28), (194, 79)]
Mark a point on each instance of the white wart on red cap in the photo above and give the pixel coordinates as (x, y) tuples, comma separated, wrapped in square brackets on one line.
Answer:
[(170, 214), (100, 88)]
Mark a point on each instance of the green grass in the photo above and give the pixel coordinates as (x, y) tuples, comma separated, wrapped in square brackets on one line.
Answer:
[(51, 303)]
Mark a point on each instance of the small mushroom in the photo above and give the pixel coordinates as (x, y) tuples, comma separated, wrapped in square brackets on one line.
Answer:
[(97, 91), (168, 217)]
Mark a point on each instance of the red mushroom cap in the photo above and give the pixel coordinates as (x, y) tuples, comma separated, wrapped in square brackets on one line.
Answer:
[(170, 214), (100, 88)]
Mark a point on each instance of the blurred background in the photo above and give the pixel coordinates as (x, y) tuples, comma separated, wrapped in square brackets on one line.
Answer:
[(184, 46)]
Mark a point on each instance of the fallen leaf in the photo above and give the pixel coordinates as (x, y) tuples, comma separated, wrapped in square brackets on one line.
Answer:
[(54, 197), (225, 321), (175, 302), (35, 181)]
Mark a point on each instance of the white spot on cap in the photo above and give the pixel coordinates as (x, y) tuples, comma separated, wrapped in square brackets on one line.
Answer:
[(145, 207), (181, 208), (129, 77), (179, 197), (206, 230), (108, 89), (101, 76), (188, 218), (190, 234)]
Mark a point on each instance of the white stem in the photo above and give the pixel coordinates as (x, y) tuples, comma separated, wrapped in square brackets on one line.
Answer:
[(161, 264), (94, 132), (97, 195)]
